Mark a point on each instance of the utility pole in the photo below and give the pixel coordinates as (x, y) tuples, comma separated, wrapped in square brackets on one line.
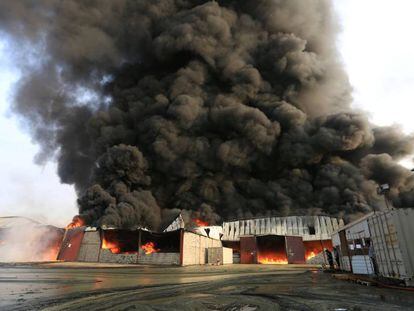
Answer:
[(383, 190)]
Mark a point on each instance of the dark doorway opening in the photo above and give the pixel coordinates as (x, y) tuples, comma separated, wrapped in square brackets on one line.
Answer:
[(166, 242), (271, 249)]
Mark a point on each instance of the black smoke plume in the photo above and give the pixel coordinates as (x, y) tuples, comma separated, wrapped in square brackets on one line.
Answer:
[(222, 109)]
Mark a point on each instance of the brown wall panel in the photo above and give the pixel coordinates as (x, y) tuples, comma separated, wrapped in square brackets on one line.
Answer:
[(295, 250), (71, 244), (248, 250)]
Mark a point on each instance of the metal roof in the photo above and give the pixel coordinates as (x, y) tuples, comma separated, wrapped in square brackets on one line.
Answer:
[(17, 221)]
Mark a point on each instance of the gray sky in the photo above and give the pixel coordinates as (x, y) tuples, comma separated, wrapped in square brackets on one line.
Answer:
[(377, 49)]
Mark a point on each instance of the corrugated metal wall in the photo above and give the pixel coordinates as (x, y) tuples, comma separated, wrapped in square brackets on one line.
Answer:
[(362, 265), (308, 227), (392, 234)]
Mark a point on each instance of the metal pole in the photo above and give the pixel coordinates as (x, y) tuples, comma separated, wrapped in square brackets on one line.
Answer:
[(386, 202), (139, 245)]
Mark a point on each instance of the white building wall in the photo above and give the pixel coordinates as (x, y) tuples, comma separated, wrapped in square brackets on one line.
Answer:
[(358, 231), (220, 255), (90, 247), (292, 225), (195, 248)]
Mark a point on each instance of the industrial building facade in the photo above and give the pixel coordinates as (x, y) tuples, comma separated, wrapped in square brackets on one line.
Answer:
[(179, 247), (273, 240)]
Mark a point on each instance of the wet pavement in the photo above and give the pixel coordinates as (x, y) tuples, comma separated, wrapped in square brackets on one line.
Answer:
[(235, 287)]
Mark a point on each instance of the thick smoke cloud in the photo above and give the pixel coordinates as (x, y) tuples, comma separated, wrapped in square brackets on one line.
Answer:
[(222, 109)]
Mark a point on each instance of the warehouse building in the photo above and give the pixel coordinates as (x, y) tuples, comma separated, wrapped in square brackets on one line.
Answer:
[(272, 240), (379, 243), (140, 246), (280, 240)]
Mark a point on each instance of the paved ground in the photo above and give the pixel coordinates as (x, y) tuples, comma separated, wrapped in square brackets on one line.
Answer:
[(237, 287)]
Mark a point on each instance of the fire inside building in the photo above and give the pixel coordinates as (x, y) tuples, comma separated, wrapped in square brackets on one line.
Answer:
[(140, 246), (273, 240), (280, 240)]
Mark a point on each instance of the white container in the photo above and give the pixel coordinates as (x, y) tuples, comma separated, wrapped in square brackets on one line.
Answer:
[(392, 234)]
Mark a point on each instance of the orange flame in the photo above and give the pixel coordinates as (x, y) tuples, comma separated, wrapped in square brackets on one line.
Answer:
[(76, 222), (112, 246), (314, 248), (149, 248), (200, 223), (50, 254), (272, 259), (310, 255)]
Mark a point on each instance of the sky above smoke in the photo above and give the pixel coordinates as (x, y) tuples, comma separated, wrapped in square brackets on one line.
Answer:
[(220, 109)]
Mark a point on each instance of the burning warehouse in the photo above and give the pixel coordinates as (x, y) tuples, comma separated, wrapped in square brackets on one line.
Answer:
[(140, 246), (280, 240), (273, 240)]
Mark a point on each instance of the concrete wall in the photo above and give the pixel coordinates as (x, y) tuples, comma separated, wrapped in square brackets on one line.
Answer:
[(90, 247), (106, 256), (194, 248), (159, 259), (146, 259), (220, 255)]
